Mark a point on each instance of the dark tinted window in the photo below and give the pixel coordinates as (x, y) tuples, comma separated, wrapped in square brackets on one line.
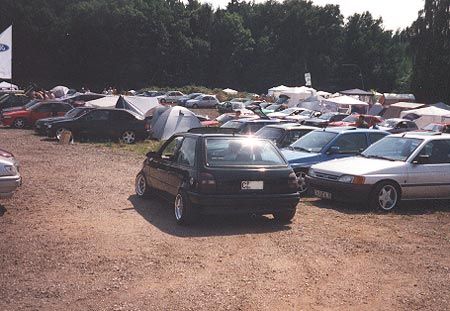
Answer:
[(170, 150), (186, 155), (438, 151), (97, 115), (271, 133), (412, 125), (374, 137), (122, 116), (44, 108), (293, 135), (62, 107), (351, 143)]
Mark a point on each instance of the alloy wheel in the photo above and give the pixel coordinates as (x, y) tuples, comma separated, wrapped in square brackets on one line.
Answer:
[(387, 197), (128, 137)]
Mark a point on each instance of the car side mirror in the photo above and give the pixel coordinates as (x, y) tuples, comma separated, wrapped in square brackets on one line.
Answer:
[(334, 150), (422, 159), (152, 154)]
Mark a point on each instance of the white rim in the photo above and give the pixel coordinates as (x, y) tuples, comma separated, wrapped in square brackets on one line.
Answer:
[(179, 207), (387, 197), (301, 181), (140, 185), (128, 137), (19, 123)]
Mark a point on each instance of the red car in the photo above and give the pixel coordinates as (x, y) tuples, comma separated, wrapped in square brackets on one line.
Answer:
[(351, 120), (27, 116)]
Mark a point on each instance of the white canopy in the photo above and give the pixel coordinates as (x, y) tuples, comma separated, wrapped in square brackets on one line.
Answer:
[(394, 110), (230, 91), (347, 100), (324, 94), (298, 94), (138, 104), (8, 86), (407, 105), (174, 120), (427, 115), (60, 91)]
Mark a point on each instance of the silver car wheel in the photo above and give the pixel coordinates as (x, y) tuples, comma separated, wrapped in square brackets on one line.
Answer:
[(179, 206), (301, 181), (128, 137), (59, 133), (140, 185), (19, 123), (387, 197)]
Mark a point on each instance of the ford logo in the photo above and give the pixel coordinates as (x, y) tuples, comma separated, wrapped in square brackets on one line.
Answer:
[(3, 47)]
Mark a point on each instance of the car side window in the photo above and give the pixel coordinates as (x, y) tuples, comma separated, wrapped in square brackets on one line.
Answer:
[(186, 155), (44, 108), (374, 137), (412, 125), (98, 115), (171, 149), (351, 143), (121, 116), (438, 151)]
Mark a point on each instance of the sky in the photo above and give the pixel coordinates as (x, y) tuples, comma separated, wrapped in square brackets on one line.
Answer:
[(396, 14)]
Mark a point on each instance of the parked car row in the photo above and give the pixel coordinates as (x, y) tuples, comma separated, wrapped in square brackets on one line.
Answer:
[(10, 178)]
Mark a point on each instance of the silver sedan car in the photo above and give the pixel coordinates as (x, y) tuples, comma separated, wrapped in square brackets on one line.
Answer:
[(10, 178)]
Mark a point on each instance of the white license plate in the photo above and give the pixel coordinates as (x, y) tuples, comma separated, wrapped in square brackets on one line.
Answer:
[(252, 185), (322, 194)]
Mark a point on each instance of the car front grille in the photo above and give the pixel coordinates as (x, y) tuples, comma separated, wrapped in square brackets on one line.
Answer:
[(326, 176)]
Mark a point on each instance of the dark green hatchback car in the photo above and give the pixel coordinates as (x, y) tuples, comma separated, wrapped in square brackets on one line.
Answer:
[(211, 173)]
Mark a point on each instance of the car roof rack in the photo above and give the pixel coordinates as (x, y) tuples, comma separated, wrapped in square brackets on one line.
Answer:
[(213, 130)]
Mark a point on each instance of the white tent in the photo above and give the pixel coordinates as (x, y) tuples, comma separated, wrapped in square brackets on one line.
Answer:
[(8, 86), (324, 94), (298, 94), (174, 120), (276, 90), (138, 104), (442, 106), (230, 91), (375, 109), (348, 104), (394, 110), (427, 115), (60, 91)]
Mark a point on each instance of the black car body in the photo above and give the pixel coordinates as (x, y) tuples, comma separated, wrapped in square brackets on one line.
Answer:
[(284, 134), (325, 119), (103, 123), (41, 126), (198, 171), (247, 126)]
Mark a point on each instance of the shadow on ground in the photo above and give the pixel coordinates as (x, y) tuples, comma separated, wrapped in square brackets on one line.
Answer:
[(419, 207), (160, 214)]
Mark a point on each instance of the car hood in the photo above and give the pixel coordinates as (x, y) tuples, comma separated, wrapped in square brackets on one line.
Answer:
[(358, 166), (300, 157)]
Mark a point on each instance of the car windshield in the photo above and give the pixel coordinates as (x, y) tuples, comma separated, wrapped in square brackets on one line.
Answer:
[(233, 125), (31, 104), (289, 111), (305, 113), (392, 148), (76, 112), (433, 127), (326, 116), (241, 152), (272, 107), (351, 118), (314, 141), (195, 95), (268, 132), (389, 123)]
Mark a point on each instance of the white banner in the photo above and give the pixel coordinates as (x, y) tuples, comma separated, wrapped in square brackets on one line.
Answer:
[(6, 54)]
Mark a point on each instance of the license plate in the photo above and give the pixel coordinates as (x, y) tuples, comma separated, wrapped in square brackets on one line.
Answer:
[(252, 185), (322, 194)]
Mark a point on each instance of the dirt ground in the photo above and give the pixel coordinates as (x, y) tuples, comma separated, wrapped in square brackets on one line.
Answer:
[(75, 237)]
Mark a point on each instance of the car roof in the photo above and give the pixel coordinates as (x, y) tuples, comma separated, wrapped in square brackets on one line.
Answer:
[(251, 120), (290, 126), (424, 135), (352, 129)]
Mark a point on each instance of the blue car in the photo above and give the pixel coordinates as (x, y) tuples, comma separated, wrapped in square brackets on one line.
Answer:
[(327, 144)]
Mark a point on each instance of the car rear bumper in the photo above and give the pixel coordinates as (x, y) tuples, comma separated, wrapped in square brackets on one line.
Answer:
[(9, 184), (340, 191), (244, 204)]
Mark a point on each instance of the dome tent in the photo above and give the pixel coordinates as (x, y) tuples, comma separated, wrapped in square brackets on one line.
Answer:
[(174, 120)]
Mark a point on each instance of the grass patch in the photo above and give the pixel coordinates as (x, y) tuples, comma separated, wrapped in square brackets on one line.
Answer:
[(140, 148)]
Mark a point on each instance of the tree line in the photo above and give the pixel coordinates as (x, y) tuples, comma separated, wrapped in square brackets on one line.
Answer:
[(247, 46)]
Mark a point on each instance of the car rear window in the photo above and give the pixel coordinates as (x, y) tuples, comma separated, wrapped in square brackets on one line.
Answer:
[(241, 152), (233, 125), (271, 133)]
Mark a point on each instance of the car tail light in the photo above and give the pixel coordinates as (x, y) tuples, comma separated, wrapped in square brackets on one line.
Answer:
[(292, 181), (207, 183)]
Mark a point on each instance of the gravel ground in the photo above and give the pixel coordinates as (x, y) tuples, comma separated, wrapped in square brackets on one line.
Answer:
[(75, 237)]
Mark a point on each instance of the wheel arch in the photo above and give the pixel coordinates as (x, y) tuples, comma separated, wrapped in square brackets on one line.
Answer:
[(388, 180)]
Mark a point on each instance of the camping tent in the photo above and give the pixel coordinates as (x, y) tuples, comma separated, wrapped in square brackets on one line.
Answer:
[(324, 94), (349, 104), (298, 94), (230, 91), (442, 106), (427, 115), (60, 91), (138, 104), (390, 98), (394, 110), (8, 86), (376, 109), (357, 92), (276, 90), (174, 120)]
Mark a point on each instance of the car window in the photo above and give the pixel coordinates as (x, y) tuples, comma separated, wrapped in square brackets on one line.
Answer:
[(314, 141), (374, 137), (412, 125), (271, 133), (171, 149), (122, 116), (44, 108), (97, 115), (294, 135), (63, 107), (186, 155), (438, 151), (351, 143), (393, 148)]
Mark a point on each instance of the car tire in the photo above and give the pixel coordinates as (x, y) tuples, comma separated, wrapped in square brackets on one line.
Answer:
[(59, 132), (19, 123), (183, 209), (141, 187), (285, 216), (385, 196), (195, 106), (301, 180), (162, 101), (128, 137)]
